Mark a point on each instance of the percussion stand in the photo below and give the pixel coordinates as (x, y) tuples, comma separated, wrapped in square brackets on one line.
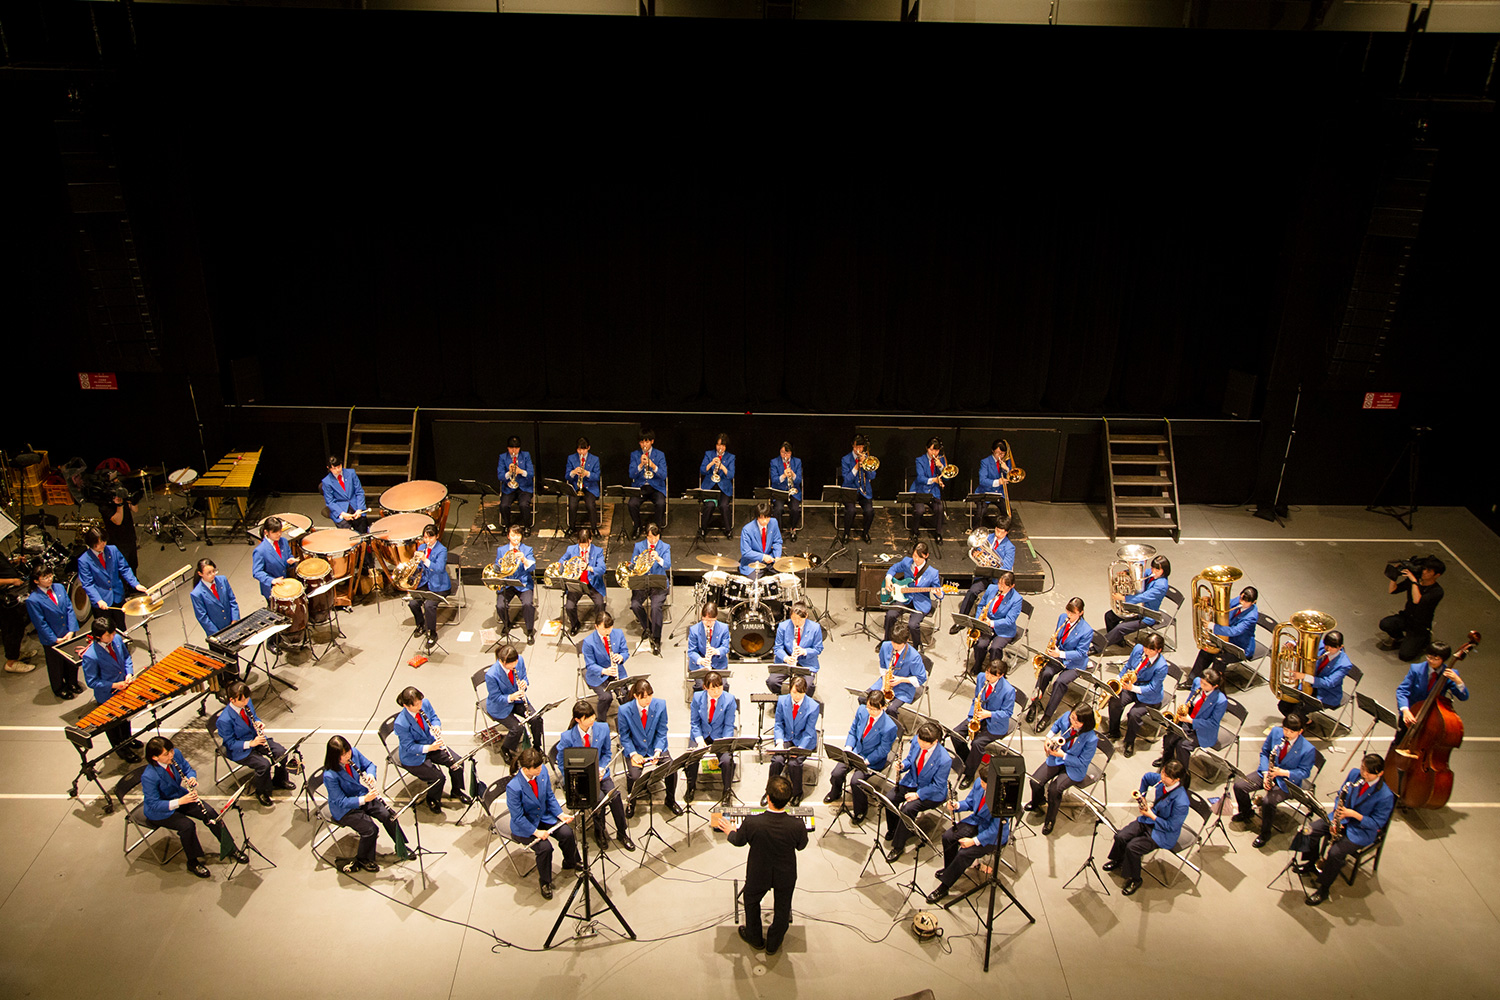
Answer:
[(271, 679), (146, 624)]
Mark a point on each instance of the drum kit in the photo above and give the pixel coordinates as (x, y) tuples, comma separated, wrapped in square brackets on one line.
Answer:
[(755, 605)]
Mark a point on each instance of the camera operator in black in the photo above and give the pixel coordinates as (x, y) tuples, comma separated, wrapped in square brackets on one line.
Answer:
[(117, 506), (1411, 628)]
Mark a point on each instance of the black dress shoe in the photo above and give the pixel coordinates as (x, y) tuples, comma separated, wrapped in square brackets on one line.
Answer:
[(1033, 807), (772, 949), (130, 756), (1241, 818), (936, 896), (655, 647), (1129, 751), (1047, 828), (241, 857), (1158, 762), (1260, 841), (264, 798), (626, 842), (285, 783), (893, 855), (464, 797), (832, 797), (676, 808), (1317, 898), (370, 866), (531, 638), (199, 869), (629, 810), (1040, 725), (692, 790), (744, 933), (1305, 868), (546, 890), (1130, 887), (857, 818), (1110, 866), (135, 744), (964, 783), (1031, 711), (955, 629)]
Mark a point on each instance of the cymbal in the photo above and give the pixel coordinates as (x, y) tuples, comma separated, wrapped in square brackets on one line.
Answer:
[(150, 470), (139, 607), (791, 564), (718, 562)]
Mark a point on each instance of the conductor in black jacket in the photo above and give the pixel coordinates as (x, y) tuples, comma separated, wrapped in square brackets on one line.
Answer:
[(774, 839)]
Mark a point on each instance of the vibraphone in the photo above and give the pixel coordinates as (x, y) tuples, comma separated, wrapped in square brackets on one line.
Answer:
[(736, 815), (183, 668), (230, 477)]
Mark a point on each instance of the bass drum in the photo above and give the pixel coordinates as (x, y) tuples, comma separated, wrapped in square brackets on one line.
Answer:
[(752, 630)]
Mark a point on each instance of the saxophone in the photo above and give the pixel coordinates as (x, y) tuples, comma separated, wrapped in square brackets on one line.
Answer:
[(1116, 688), (1335, 827), (974, 715), (1039, 661), (888, 685)]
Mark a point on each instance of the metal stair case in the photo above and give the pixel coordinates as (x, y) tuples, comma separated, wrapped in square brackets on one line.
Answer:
[(385, 451), (1142, 477)]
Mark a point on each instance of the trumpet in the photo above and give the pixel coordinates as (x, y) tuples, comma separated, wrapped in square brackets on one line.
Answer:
[(580, 473), (789, 477), (647, 465), (717, 465), (510, 474)]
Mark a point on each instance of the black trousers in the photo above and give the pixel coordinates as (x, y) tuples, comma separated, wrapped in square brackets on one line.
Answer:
[(362, 821), (986, 647), (1050, 780), (1134, 710), (1204, 660), (836, 786), (616, 808), (260, 762), (1132, 843), (1050, 671), (1249, 784), (1413, 638), (709, 509), (726, 774), (976, 590), (1117, 628), (633, 774), (792, 768), (971, 752), (647, 493), (920, 509), (791, 508), (896, 829), (914, 620), (425, 615), (591, 505), (605, 695), (512, 724), (776, 683), (181, 823), (570, 603), (1333, 861), (867, 506), (563, 837), (1060, 687), (1179, 748), (650, 623), (439, 764), (956, 859), (509, 500), (12, 629), (62, 672), (781, 910), (528, 608)]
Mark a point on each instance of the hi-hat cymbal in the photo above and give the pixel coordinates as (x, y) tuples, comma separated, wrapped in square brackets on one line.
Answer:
[(140, 607), (718, 562), (150, 470), (792, 564)]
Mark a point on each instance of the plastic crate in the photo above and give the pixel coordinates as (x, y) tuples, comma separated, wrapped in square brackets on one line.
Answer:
[(56, 493)]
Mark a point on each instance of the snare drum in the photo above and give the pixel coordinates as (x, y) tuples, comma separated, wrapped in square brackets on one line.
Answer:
[(344, 553), (289, 597), (294, 527), (418, 496), (790, 585), (401, 539), (314, 572)]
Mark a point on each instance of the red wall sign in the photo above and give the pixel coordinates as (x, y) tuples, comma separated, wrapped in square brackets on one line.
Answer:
[(1381, 400), (106, 380)]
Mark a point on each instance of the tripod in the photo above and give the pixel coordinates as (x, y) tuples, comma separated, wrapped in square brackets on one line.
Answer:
[(586, 925), (1412, 455), (992, 882)]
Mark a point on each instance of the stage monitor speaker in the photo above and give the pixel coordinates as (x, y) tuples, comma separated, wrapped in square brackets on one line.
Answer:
[(1007, 777), (580, 777), (867, 586), (248, 387)]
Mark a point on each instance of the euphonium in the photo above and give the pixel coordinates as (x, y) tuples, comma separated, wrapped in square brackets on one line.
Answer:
[(1294, 649), (1211, 603), (1127, 574), (869, 463), (980, 554)]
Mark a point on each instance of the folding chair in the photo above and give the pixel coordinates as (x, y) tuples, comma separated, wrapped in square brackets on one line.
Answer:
[(1333, 719), (497, 810), (1097, 773), (1191, 831), (481, 697), (326, 828), (135, 820), (1309, 785), (221, 752), (1372, 850), (393, 763)]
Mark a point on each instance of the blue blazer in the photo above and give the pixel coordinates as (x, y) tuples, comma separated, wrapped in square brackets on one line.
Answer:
[(1241, 627), (658, 480), (1299, 758), (1005, 550), (345, 789), (923, 472), (411, 738), (1001, 702), (161, 786), (927, 578), (524, 484), (853, 478), (1415, 686), (235, 732), (51, 620), (812, 640), (700, 730), (1375, 804), (989, 828), (932, 783), (596, 660), (590, 466), (910, 665), (596, 566), (1328, 685), (725, 484), (1171, 810), (101, 669), (750, 547), (1150, 679), (1004, 620), (803, 731), (267, 566), (346, 499), (598, 740), (1081, 753), (778, 470), (531, 811), (991, 478), (1210, 716), (528, 564), (716, 646), (435, 573), (636, 738), (215, 613), (1075, 650), (662, 549), (497, 703), (1151, 597), (105, 583), (876, 747)]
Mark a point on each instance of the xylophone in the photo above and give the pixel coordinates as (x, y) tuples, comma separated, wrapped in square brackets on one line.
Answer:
[(230, 477), (735, 814)]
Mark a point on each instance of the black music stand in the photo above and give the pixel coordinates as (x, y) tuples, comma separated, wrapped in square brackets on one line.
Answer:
[(418, 851), (910, 823), (1294, 846), (556, 489), (586, 882), (260, 641), (623, 493), (856, 764), (839, 497), (579, 588), (698, 673), (642, 790), (245, 845), (730, 744), (771, 493), (1378, 713), (977, 502), (1090, 803), (1226, 797), (335, 629), (986, 631)]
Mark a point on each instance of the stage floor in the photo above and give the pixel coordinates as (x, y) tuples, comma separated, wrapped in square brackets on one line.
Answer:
[(70, 901)]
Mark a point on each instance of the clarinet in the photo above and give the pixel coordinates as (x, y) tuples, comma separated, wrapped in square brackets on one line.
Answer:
[(1335, 827)]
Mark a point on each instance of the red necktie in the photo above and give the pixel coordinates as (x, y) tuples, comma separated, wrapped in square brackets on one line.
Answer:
[(421, 722), (644, 711), (246, 716), (215, 588), (1197, 704), (995, 608), (1071, 737), (868, 726), (796, 642), (997, 542), (341, 481), (350, 768), (982, 800), (931, 467), (534, 790), (583, 578), (987, 689), (606, 649), (112, 655), (101, 560), (172, 771), (794, 711), (1321, 664), (53, 595), (712, 702), (511, 673), (277, 543), (763, 538), (921, 759), (586, 740), (1363, 789), (1282, 755), (1066, 629)]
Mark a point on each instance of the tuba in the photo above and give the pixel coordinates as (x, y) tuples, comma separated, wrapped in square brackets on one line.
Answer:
[(1127, 574), (1211, 603), (980, 554), (1294, 649)]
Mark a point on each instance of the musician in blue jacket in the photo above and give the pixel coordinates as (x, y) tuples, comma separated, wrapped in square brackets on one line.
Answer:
[(344, 496), (434, 557), (786, 476), (916, 597), (170, 787), (517, 477), (796, 725), (922, 783), (214, 603), (996, 699), (928, 481), (994, 477), (1002, 554), (661, 565), (591, 734), (536, 816), (51, 612), (1240, 631), (1067, 649), (358, 806), (422, 750), (1327, 676), (1363, 807), (592, 578), (909, 672), (642, 726), (716, 472), (1069, 752), (1000, 610), (760, 542), (853, 476), (648, 473), (708, 643), (505, 685), (1150, 597), (970, 839), (107, 669), (105, 574), (247, 744), (1148, 691), (1286, 758), (272, 557), (1159, 824), (581, 471), (524, 587), (799, 641), (1206, 705), (871, 735), (1418, 682), (604, 653), (710, 718)]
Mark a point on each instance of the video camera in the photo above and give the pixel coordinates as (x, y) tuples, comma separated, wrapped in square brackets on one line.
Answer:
[(1416, 564)]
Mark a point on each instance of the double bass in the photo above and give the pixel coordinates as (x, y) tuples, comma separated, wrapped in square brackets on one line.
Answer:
[(1416, 768)]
